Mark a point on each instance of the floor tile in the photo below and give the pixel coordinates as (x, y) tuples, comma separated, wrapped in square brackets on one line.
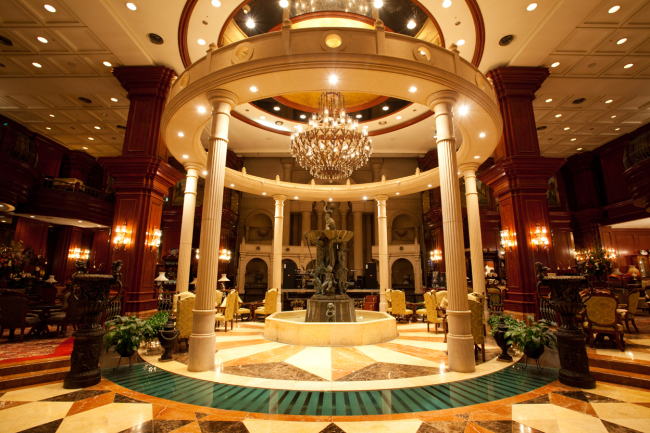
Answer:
[(388, 371), (111, 418), (222, 427), (346, 360), (271, 370), (442, 427), (591, 425), (261, 426), (315, 360), (50, 427), (616, 428), (31, 415)]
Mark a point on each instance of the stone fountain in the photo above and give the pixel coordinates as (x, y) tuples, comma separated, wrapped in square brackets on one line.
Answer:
[(330, 274)]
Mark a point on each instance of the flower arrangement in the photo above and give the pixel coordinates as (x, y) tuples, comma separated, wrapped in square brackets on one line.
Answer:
[(595, 262), (11, 257), (298, 304)]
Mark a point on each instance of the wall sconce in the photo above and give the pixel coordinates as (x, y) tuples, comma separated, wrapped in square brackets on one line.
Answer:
[(77, 254), (153, 239), (197, 254), (435, 256), (122, 237), (224, 256), (538, 238), (508, 239), (610, 253)]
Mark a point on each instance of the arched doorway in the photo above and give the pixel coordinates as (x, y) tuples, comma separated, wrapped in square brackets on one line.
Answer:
[(257, 275), (402, 274)]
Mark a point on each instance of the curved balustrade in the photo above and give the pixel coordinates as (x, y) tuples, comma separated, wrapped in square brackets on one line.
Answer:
[(636, 160)]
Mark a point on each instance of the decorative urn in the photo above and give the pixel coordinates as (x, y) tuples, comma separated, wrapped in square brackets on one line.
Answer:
[(500, 338), (571, 340), (167, 337)]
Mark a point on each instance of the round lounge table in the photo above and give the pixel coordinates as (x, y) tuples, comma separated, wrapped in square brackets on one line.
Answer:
[(44, 312)]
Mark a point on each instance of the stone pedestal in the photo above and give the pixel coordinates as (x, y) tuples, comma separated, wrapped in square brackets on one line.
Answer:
[(343, 308)]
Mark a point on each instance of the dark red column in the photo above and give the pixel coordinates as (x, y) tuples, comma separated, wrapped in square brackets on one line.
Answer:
[(519, 178), (142, 179)]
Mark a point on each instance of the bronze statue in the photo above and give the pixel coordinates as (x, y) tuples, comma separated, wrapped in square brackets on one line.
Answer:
[(329, 221), (329, 282), (330, 312)]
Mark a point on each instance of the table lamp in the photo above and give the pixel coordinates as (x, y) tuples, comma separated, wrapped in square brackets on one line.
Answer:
[(223, 281)]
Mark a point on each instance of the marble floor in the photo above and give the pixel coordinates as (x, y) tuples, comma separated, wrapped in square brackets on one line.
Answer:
[(416, 358)]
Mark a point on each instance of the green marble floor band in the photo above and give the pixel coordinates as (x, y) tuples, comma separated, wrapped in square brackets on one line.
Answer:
[(502, 384)]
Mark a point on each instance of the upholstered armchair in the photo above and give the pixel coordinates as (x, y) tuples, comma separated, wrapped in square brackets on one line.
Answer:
[(184, 316), (180, 297), (270, 304), (431, 310), (441, 301), (602, 318), (399, 305), (218, 298), (477, 317), (389, 304), (13, 313), (627, 311), (229, 313), (495, 300)]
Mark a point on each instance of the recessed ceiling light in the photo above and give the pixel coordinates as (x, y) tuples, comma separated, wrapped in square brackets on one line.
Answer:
[(580, 148), (180, 134), (253, 89), (614, 9), (549, 100), (555, 65), (609, 101), (131, 6), (507, 40), (51, 115), (216, 3), (97, 127), (330, 198), (284, 3), (382, 122), (573, 139), (42, 39), (107, 64), (186, 156), (205, 172), (446, 3), (262, 117), (613, 116), (385, 108), (621, 41), (398, 117), (460, 42), (250, 23), (38, 65), (411, 24), (32, 216), (201, 110), (49, 8), (413, 89), (295, 198), (47, 127), (79, 221), (85, 148), (397, 193), (463, 110), (114, 99), (263, 193), (358, 116), (276, 108), (558, 115), (482, 135), (567, 128), (201, 42), (333, 79), (628, 66), (531, 7), (378, 4), (429, 186), (616, 129), (302, 116), (90, 138)]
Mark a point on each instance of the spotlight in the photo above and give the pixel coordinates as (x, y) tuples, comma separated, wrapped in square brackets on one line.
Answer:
[(250, 23), (411, 24), (131, 6), (446, 3), (531, 7), (333, 79), (284, 3)]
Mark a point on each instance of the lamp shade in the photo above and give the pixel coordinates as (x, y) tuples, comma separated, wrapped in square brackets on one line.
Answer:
[(161, 277), (51, 280), (223, 278)]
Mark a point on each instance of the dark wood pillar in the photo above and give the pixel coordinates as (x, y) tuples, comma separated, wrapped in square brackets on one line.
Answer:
[(519, 178), (68, 238), (142, 178)]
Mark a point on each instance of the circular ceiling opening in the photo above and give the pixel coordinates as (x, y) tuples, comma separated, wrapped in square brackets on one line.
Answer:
[(333, 40)]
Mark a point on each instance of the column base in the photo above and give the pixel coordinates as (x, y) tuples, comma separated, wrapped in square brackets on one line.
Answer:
[(382, 307), (460, 342), (202, 342)]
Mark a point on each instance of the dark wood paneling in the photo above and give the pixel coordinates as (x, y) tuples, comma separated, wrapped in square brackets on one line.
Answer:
[(33, 233)]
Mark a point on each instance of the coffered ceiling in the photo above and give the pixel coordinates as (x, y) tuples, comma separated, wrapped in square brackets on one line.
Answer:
[(81, 35)]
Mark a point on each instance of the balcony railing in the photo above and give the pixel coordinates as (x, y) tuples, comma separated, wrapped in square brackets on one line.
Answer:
[(78, 188), (637, 150)]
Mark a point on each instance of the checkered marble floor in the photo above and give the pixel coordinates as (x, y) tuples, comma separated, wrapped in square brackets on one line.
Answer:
[(109, 408)]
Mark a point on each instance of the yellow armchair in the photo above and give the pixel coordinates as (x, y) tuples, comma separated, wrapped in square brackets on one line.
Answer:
[(477, 317), (228, 315), (184, 317), (270, 304), (431, 310), (399, 304)]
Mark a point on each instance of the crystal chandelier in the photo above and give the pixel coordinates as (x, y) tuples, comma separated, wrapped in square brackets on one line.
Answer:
[(332, 147)]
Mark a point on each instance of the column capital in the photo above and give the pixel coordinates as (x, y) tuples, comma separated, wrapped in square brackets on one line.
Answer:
[(279, 198), (517, 81), (219, 96), (443, 97), (468, 166), (381, 197), (192, 166)]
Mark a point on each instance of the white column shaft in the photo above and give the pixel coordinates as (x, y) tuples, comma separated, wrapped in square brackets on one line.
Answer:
[(358, 242), (187, 228), (474, 225), (202, 339), (460, 343), (277, 246), (383, 250), (306, 223)]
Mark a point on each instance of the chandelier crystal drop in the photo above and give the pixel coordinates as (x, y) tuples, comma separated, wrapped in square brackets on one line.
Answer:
[(332, 147)]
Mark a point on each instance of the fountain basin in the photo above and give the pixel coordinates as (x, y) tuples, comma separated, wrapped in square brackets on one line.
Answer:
[(289, 327)]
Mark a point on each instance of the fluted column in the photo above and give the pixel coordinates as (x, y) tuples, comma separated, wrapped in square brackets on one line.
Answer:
[(287, 167), (277, 246), (187, 228), (460, 343), (357, 216), (474, 225), (344, 208), (382, 229), (306, 222), (319, 216), (202, 339)]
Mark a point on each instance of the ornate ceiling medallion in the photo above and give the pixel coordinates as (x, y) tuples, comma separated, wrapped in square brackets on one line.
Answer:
[(332, 147)]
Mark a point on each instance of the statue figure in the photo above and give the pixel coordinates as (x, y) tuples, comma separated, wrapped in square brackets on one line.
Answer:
[(318, 285), (328, 208), (330, 312), (329, 282), (341, 269)]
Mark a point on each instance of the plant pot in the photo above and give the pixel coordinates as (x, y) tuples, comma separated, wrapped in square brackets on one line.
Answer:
[(535, 353), (126, 353), (500, 338)]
